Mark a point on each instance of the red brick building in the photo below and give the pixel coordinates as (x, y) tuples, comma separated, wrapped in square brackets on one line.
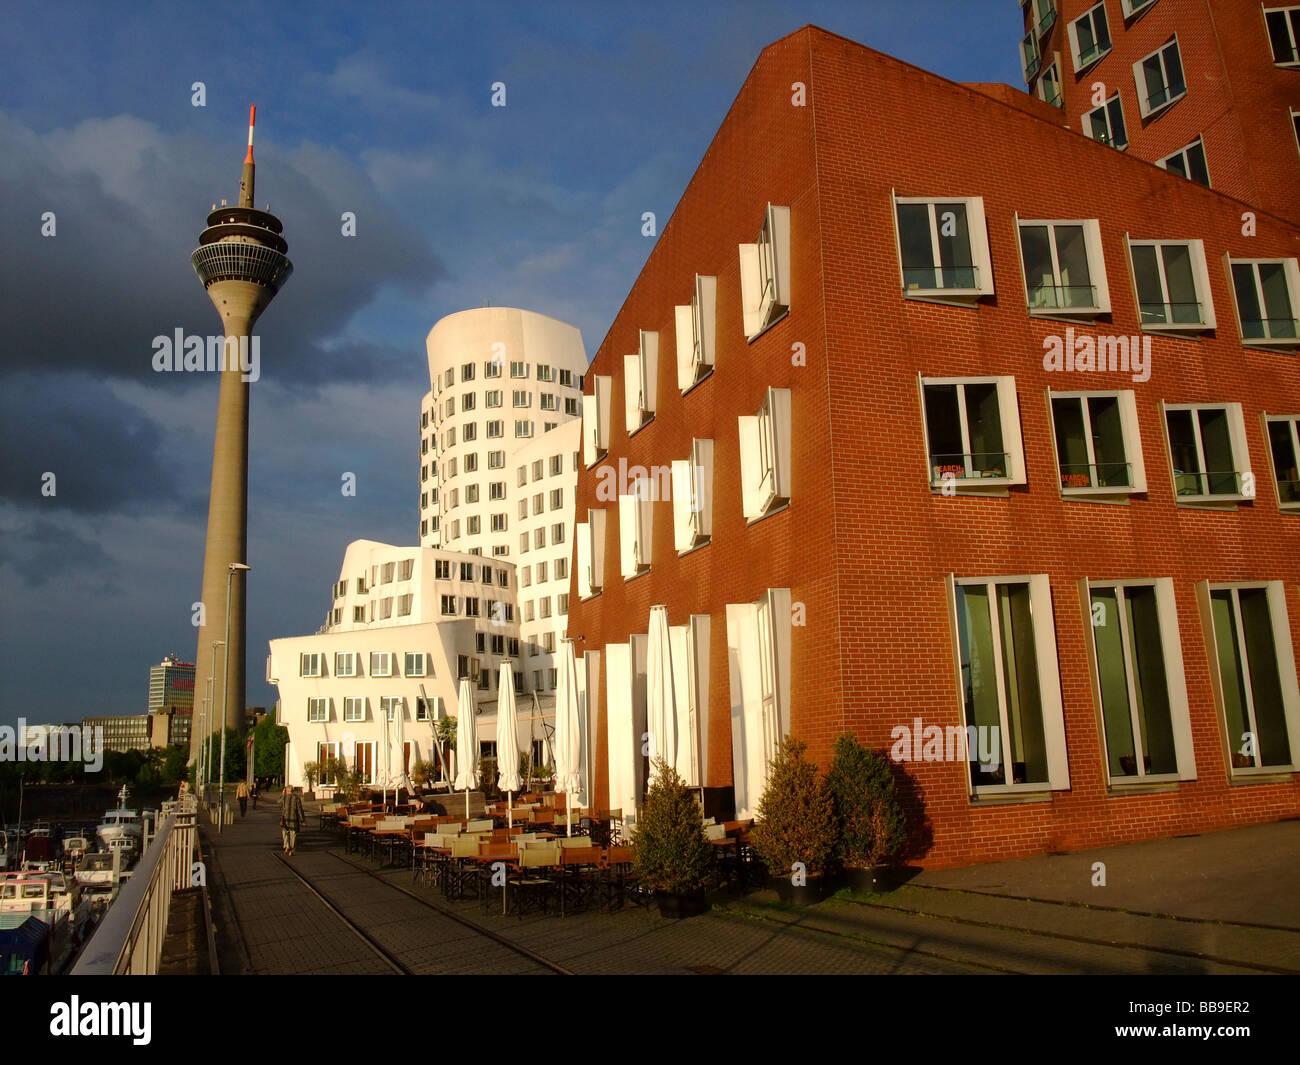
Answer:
[(905, 494), (1207, 88)]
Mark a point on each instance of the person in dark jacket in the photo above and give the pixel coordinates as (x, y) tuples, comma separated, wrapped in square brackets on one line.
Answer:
[(291, 817)]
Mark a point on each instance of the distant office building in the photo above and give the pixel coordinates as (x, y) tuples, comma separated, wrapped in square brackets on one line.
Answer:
[(131, 732), (171, 683)]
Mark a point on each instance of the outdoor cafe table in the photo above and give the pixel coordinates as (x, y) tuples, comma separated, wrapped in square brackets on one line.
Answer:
[(390, 838)]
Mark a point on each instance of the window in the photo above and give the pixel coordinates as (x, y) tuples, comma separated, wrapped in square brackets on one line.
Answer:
[(595, 420), (1098, 449), (1159, 79), (570, 405), (1140, 685), (467, 401), (1049, 85), (528, 610), (496, 460), (471, 607), (449, 408), (495, 430), (493, 398), (381, 663), (467, 372), (1207, 445), (471, 460), (462, 667), (523, 509), (1284, 34), (544, 607), (387, 571), (640, 377), (389, 707), (1042, 13), (1135, 7), (1064, 269), (591, 554), (503, 578), (1173, 284), (492, 368), (547, 401), (697, 326), (499, 524), (442, 569), (480, 642), (1295, 126), (448, 605), (354, 709), (562, 603), (557, 498), (523, 543), (521, 398), (422, 709), (1266, 292), (692, 497), (541, 572), (539, 537), (469, 432), (539, 471), (972, 431), (765, 273), (765, 465), (345, 664), (943, 248), (316, 710), (519, 370), (1009, 685), (309, 665), (523, 429), (636, 524), (405, 568), (500, 550), (1256, 676), (404, 605), (1031, 56), (471, 493), (1089, 37), (414, 663), (358, 614), (1284, 449), (467, 571), (552, 678), (361, 586), (451, 437), (1189, 163), (1106, 123)]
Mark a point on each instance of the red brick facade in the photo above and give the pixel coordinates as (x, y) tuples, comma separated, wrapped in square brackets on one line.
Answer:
[(866, 545), (1238, 101)]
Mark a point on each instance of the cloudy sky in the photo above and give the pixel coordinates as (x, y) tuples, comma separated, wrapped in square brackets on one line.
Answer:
[(380, 109)]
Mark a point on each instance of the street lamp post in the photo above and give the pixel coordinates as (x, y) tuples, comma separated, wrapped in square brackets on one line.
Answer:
[(235, 567), (207, 721)]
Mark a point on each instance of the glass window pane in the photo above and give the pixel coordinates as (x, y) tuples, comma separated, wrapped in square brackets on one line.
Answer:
[(915, 245), (1243, 284), (1151, 686), (1277, 300), (1020, 670), (979, 673), (984, 423), (1231, 673), (1174, 71), (1181, 282), (1272, 743), (1072, 257), (1071, 444), (1182, 448), (1146, 274), (954, 245), (943, 423), (1121, 752), (1108, 442), (1197, 168), (1040, 281), (1285, 461), (1217, 445)]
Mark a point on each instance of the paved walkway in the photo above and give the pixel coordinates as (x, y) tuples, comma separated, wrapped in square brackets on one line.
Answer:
[(1175, 906)]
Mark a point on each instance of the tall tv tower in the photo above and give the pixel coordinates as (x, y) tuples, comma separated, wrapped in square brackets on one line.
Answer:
[(242, 264)]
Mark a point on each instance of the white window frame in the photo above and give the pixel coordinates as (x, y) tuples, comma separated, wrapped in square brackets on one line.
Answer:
[(1051, 74), (692, 481), (1237, 441), (345, 663), (1081, 64), (636, 528), (1293, 420), (1133, 8), (381, 663), (1049, 683), (354, 709), (1200, 276), (765, 274), (590, 550), (1292, 13), (766, 467), (311, 664), (640, 378), (1031, 57), (1132, 438), (1163, 164), (697, 331), (1292, 273), (1139, 79), (1040, 22), (317, 711), (1096, 267), (415, 663), (981, 259), (1008, 415), (1171, 648), (595, 420), (1107, 113), (1283, 648)]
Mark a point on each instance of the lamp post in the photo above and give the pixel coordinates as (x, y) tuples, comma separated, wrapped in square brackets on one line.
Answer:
[(235, 567), (207, 722)]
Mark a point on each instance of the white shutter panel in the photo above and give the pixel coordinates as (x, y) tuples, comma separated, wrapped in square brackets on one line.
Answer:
[(632, 392), (749, 289), (1172, 648), (649, 361), (628, 514), (750, 473), (1049, 682), (683, 529), (685, 347)]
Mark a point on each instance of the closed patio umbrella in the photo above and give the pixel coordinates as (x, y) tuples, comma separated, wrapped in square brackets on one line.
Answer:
[(568, 728), (466, 743), (661, 699), (507, 740), (399, 730)]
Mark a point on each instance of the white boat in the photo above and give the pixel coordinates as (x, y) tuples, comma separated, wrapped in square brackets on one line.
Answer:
[(52, 898), (94, 871), (121, 827)]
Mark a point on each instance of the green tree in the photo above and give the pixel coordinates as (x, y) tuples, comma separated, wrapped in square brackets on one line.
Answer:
[(173, 767), (269, 741), (672, 853), (796, 815), (872, 825)]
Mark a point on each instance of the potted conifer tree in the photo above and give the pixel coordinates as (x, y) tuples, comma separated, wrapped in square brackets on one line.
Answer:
[(796, 831), (872, 826), (672, 855)]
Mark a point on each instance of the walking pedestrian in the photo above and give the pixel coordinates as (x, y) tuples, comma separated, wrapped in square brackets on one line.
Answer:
[(254, 793), (291, 817), (241, 793)]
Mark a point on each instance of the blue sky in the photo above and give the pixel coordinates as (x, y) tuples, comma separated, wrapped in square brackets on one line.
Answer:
[(381, 109)]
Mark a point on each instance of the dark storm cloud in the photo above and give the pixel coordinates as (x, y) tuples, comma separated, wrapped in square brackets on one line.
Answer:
[(42, 549)]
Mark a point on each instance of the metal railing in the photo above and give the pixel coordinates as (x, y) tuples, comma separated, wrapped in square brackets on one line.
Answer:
[(940, 277), (1096, 475), (968, 466), (129, 939), (1183, 313), (1207, 483)]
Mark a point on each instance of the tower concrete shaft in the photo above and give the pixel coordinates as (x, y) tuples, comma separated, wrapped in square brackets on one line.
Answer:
[(242, 264)]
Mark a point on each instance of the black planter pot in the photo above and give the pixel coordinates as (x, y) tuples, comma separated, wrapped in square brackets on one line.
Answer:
[(807, 894), (866, 879), (675, 906)]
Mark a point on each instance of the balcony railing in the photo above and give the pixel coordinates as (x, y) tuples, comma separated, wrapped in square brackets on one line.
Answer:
[(1062, 297), (1288, 491), (1183, 313), (970, 466), (1160, 97), (938, 278), (1210, 483), (1094, 51), (1270, 329), (1096, 475)]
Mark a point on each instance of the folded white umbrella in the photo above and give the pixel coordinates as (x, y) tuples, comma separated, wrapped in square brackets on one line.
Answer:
[(399, 711), (466, 743), (568, 729), (507, 739), (661, 701)]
